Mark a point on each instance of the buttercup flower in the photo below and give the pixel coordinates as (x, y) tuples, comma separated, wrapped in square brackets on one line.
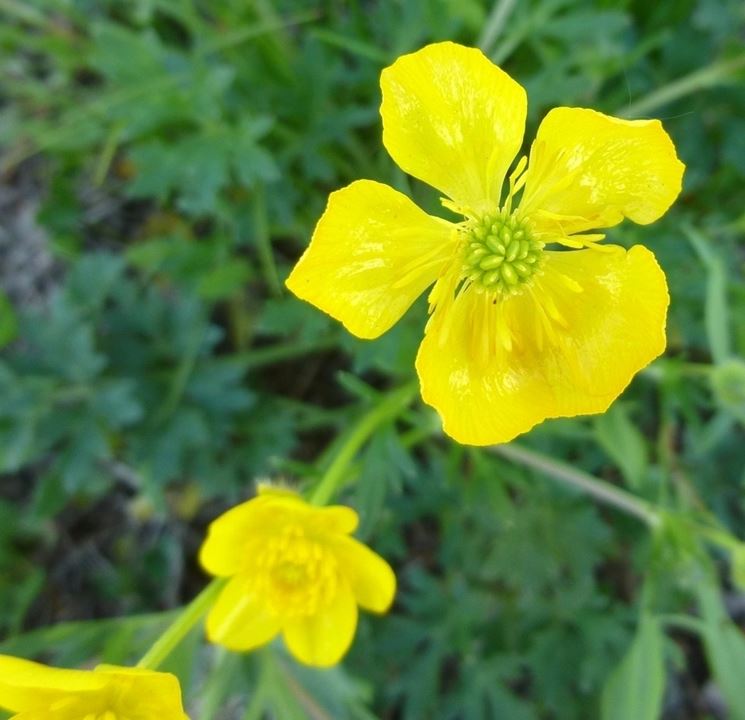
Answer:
[(38, 692), (520, 328), (293, 569)]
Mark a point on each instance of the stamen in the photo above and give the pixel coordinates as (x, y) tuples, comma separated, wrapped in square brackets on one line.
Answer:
[(295, 573)]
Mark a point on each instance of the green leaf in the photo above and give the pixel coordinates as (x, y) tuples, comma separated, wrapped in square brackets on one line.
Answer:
[(728, 385), (634, 690), (623, 442), (737, 566), (716, 308), (725, 648), (224, 280), (8, 321)]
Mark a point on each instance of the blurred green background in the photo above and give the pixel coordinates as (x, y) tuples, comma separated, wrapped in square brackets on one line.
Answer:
[(163, 163)]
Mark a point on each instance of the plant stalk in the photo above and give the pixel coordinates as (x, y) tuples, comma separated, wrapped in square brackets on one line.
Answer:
[(590, 485), (181, 626), (385, 410)]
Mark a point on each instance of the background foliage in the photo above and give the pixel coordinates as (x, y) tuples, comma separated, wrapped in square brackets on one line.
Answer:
[(164, 162)]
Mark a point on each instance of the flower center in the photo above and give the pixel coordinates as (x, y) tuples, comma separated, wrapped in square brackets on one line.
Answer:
[(500, 253), (298, 576)]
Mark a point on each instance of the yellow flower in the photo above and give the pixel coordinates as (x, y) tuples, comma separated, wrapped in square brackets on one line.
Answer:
[(38, 692), (518, 332), (293, 569)]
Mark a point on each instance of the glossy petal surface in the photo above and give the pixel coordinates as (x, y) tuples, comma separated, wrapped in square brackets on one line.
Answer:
[(38, 692), (323, 639), (27, 685), (370, 577), (372, 254), (239, 619), (225, 550), (569, 347), (146, 694), (454, 120), (588, 170)]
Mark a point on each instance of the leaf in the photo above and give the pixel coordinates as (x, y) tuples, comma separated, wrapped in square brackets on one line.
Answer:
[(717, 308), (728, 385), (623, 442), (224, 280), (197, 167), (737, 570), (60, 341), (8, 321), (725, 648), (384, 463), (91, 278), (251, 162), (635, 689)]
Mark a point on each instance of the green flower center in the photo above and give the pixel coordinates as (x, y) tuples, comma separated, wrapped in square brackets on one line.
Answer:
[(500, 254)]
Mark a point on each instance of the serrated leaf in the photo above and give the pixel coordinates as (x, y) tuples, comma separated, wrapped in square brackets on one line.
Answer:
[(91, 278), (635, 689)]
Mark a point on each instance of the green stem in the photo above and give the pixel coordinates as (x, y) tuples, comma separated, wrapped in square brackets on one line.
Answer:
[(659, 369), (264, 242), (589, 484), (271, 354), (385, 410), (181, 626), (714, 74), (107, 153), (180, 380), (24, 13), (495, 23), (683, 622)]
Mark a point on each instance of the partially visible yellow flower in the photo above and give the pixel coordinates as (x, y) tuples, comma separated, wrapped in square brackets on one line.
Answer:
[(518, 333), (39, 692), (295, 570)]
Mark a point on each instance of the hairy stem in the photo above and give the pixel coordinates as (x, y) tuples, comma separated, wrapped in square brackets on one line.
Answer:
[(715, 74), (590, 485)]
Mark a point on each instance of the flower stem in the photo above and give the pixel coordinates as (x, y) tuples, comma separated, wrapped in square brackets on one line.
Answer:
[(386, 409), (714, 74), (264, 243), (181, 626), (495, 23), (594, 487)]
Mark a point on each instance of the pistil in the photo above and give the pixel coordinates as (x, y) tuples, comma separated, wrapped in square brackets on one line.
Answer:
[(500, 253)]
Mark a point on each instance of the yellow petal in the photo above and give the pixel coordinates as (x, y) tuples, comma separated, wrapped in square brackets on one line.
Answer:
[(568, 347), (371, 578), (239, 620), (27, 685), (331, 518), (230, 537), (372, 254), (454, 120), (224, 551), (588, 170), (146, 694), (323, 639)]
